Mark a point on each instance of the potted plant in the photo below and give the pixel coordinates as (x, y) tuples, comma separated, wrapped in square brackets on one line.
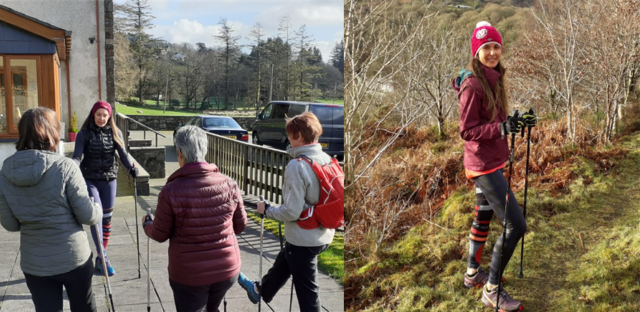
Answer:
[(73, 128)]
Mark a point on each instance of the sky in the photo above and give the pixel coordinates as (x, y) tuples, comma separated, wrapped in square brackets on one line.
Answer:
[(193, 21)]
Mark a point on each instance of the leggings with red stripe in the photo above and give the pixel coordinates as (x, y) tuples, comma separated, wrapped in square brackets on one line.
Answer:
[(491, 190), (104, 193)]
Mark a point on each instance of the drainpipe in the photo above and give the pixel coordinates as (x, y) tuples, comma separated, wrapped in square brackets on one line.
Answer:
[(98, 47)]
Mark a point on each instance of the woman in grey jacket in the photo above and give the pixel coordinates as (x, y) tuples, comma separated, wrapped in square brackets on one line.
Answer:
[(54, 248), (299, 258)]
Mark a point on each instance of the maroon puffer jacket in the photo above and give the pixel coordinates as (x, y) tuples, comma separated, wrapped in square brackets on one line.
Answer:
[(200, 211), (484, 149)]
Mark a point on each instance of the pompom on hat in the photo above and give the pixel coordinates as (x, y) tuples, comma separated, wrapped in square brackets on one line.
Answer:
[(101, 104), (483, 35)]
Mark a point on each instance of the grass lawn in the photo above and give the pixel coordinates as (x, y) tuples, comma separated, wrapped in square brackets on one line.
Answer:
[(330, 101), (330, 262), (132, 110)]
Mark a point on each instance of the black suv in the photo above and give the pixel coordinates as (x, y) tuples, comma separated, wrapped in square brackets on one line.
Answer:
[(269, 127)]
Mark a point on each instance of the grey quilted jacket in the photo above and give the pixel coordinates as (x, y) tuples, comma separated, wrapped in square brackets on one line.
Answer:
[(43, 195)]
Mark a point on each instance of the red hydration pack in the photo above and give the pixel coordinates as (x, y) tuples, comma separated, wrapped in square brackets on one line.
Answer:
[(329, 210)]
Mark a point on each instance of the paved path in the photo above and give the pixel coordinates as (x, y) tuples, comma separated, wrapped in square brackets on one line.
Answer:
[(129, 291)]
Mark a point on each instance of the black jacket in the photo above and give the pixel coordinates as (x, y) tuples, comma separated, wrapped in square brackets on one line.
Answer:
[(99, 149)]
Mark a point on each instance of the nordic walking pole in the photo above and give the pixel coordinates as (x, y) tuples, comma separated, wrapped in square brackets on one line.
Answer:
[(148, 264), (104, 261), (261, 237), (506, 213), (135, 200), (526, 185)]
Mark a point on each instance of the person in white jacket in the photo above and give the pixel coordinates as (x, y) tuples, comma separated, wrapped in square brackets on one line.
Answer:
[(301, 190), (43, 196)]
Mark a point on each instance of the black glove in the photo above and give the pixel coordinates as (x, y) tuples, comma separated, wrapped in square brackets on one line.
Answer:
[(134, 172), (529, 118), (267, 205), (513, 124), (147, 219)]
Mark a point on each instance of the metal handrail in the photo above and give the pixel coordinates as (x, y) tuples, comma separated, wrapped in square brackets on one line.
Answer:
[(143, 125), (126, 120)]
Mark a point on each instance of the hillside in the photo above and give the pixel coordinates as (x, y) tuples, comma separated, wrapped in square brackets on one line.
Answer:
[(581, 249)]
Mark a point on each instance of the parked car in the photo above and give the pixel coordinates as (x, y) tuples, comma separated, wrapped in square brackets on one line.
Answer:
[(220, 125), (269, 127)]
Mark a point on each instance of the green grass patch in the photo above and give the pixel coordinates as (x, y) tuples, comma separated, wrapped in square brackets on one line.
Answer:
[(132, 110), (331, 261), (581, 250), (331, 101)]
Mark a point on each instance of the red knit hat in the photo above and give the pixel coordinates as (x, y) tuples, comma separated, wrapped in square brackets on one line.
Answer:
[(101, 104), (483, 35)]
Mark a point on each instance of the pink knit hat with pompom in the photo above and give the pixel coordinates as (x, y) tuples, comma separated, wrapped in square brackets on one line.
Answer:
[(483, 35)]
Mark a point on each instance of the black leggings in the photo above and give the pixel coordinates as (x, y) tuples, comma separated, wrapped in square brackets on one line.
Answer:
[(493, 189), (103, 193), (302, 264), (46, 291)]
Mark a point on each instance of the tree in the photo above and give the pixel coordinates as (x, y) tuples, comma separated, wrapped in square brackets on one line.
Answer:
[(304, 69), (337, 56), (445, 52), (136, 21), (192, 73), (230, 52), (256, 34), (124, 67), (376, 53), (286, 32)]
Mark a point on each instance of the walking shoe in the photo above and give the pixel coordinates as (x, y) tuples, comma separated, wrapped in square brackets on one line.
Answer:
[(506, 304), (250, 286), (100, 270), (477, 280)]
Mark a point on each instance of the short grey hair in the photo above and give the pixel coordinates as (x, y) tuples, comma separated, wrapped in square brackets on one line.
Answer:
[(192, 141)]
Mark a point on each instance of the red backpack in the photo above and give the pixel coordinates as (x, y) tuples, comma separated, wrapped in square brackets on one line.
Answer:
[(329, 210)]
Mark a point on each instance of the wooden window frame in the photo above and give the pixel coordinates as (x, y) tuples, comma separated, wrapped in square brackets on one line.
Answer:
[(12, 128)]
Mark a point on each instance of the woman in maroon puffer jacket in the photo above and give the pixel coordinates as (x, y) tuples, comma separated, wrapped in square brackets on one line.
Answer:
[(201, 212), (485, 126)]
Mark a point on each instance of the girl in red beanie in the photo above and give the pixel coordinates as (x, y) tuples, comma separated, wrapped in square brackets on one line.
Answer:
[(98, 140), (484, 126)]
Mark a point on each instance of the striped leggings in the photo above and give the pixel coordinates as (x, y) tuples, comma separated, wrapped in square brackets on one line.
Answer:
[(104, 193), (490, 198)]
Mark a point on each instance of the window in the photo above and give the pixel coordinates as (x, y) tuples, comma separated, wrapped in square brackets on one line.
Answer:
[(20, 85), (279, 111), (324, 113), (338, 115), (296, 110), (197, 122), (266, 112), (220, 123)]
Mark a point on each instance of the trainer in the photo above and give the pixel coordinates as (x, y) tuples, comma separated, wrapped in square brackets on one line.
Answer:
[(201, 212)]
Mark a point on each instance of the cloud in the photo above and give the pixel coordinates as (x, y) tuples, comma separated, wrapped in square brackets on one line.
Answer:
[(185, 30), (194, 21), (319, 16)]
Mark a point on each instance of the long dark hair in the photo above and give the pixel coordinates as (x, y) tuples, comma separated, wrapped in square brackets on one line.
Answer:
[(38, 129), (91, 122), (496, 98)]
